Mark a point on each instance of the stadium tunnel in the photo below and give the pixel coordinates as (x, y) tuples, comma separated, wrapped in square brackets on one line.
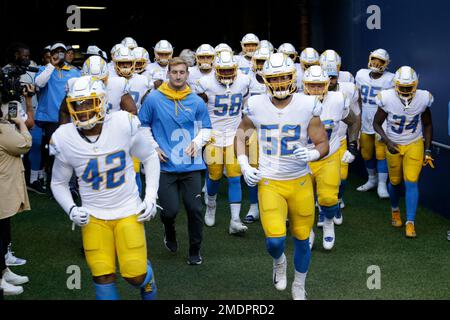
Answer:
[(413, 32)]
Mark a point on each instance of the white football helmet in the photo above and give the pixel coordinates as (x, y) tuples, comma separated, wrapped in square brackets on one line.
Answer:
[(222, 47), (250, 43), (316, 82), (115, 48), (189, 56), (86, 101), (259, 58), (226, 67), (205, 57), (124, 62), (309, 57), (130, 43), (406, 82), (141, 59), (96, 67), (379, 60), (268, 44), (289, 50), (331, 62), (163, 52), (280, 67)]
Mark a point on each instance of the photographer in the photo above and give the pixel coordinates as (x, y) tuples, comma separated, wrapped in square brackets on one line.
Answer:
[(15, 141), (52, 80)]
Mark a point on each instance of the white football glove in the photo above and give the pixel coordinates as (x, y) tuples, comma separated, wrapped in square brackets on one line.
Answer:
[(348, 157), (79, 216), (306, 155), (251, 175), (147, 210)]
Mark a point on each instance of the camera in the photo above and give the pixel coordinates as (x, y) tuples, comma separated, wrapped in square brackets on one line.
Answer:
[(11, 88)]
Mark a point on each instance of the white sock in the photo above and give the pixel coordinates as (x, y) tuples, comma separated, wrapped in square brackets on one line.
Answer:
[(211, 200), (34, 176), (42, 174), (371, 172), (382, 178), (254, 207), (235, 211), (280, 259), (395, 209), (300, 278)]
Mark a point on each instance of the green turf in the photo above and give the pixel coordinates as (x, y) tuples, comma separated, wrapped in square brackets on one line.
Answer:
[(239, 267)]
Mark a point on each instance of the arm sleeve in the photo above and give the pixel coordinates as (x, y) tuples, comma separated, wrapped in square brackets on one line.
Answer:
[(61, 175), (44, 75), (203, 137), (14, 142)]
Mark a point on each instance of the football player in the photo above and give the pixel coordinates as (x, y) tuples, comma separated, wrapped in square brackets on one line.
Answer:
[(283, 121), (308, 57), (326, 172), (370, 82), (331, 56), (224, 91), (111, 64), (99, 147), (249, 44), (331, 64), (222, 47), (268, 44), (408, 136), (141, 61), (204, 56), (158, 70)]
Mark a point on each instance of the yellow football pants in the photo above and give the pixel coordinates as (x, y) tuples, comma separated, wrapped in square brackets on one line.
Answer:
[(407, 164), (369, 143), (103, 240), (293, 199), (217, 158), (327, 178), (344, 165)]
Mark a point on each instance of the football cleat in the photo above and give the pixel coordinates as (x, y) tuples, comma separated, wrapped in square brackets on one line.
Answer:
[(382, 191), (328, 234), (279, 274), (338, 218), (369, 185), (298, 291), (410, 230), (210, 215), (396, 219), (237, 227)]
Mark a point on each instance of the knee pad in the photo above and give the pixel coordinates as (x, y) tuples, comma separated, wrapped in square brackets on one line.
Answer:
[(275, 246)]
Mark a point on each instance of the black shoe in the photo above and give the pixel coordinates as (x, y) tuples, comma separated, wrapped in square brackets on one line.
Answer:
[(170, 241), (195, 259), (37, 187)]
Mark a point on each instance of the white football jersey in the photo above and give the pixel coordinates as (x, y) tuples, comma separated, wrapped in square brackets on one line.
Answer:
[(404, 126), (368, 90), (256, 87), (345, 76), (300, 72), (194, 76), (116, 88), (351, 92), (244, 64), (224, 107), (138, 86), (156, 72), (335, 108), (104, 168), (112, 70), (280, 131)]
